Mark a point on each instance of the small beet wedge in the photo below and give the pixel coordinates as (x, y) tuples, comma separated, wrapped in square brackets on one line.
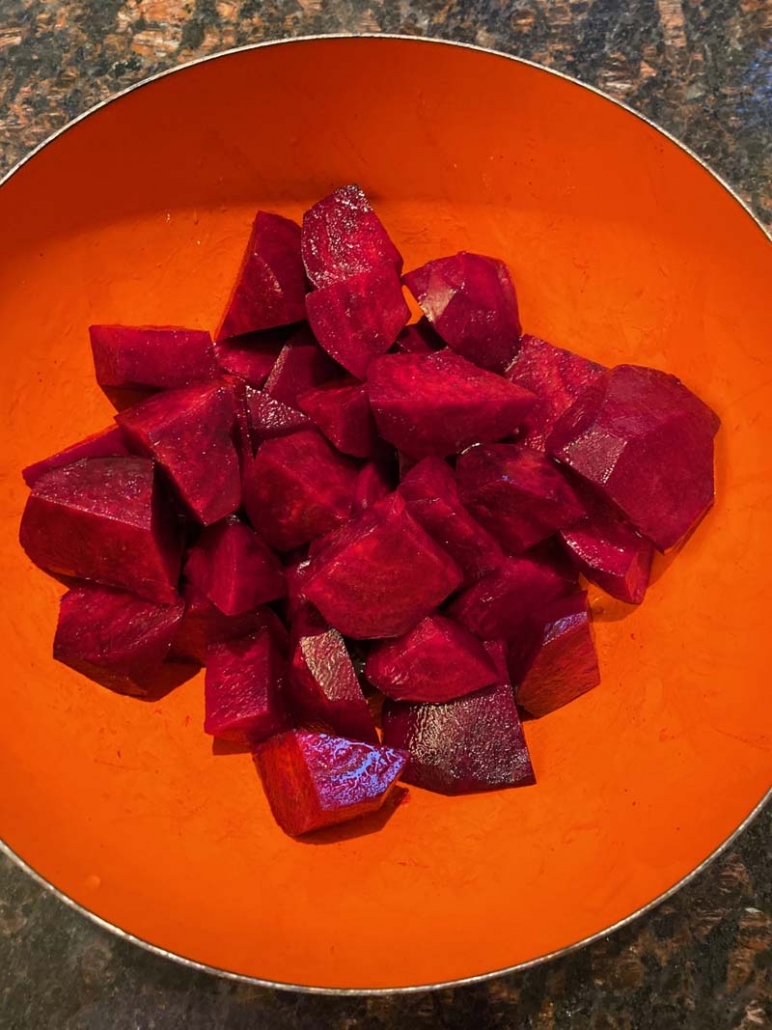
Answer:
[(151, 357), (244, 689)]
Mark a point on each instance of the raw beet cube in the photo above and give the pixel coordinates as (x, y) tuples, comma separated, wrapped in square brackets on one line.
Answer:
[(441, 403), (356, 320), (270, 289), (231, 565), (471, 302), (314, 780), (516, 493), (250, 357), (244, 689), (419, 338), (300, 366), (107, 444), (437, 661), (297, 488), (342, 411), (556, 377), (109, 520), (115, 638), (380, 574), (140, 357), (343, 236), (430, 492), (645, 443), (375, 481), (204, 624), (189, 433), (269, 418)]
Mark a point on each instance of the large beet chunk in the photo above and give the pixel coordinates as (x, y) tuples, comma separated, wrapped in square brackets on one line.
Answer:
[(300, 366), (269, 418), (313, 780), (107, 444), (441, 403), (243, 689), (380, 574), (204, 624), (645, 443), (189, 433), (342, 411), (471, 302), (109, 520), (251, 357), (139, 357)]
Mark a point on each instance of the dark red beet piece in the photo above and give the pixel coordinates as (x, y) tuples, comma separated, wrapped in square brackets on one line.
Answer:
[(295, 575), (342, 411), (270, 419), (189, 433), (107, 444), (375, 481), (343, 236), (516, 493), (115, 638), (471, 302), (419, 338), (151, 357), (109, 520), (301, 366), (313, 780), (441, 403), (204, 624), (250, 357), (645, 443), (356, 320), (297, 488), (380, 574), (271, 285), (244, 689)]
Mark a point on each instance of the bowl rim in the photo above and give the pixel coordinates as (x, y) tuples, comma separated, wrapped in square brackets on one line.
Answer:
[(478, 978)]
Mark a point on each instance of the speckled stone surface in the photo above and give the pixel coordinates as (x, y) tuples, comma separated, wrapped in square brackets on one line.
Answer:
[(703, 70)]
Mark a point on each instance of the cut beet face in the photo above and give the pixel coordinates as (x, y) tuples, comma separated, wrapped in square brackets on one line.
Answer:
[(356, 320), (271, 285), (471, 302), (115, 638), (150, 357), (419, 338), (439, 404), (251, 357), (110, 443), (108, 520), (380, 574), (516, 493), (301, 366), (270, 419), (313, 780), (342, 411), (437, 661), (244, 689), (189, 433), (376, 480), (297, 488), (343, 236), (645, 443)]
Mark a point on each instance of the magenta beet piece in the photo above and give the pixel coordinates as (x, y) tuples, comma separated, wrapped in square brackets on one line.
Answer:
[(516, 493), (107, 444), (204, 624), (313, 780), (269, 418), (356, 320), (556, 377), (471, 302), (429, 489), (375, 481), (251, 357), (419, 338), (244, 689), (645, 443), (295, 574), (271, 285), (441, 403), (342, 411), (151, 357), (189, 433), (300, 366), (343, 236), (109, 520), (380, 574), (297, 488)]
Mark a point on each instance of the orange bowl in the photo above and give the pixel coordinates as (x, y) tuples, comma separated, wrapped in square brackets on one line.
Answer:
[(623, 247)]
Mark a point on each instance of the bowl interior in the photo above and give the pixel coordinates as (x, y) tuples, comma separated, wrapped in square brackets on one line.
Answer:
[(622, 247)]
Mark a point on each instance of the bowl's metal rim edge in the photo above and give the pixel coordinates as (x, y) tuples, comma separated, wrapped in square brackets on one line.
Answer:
[(481, 977)]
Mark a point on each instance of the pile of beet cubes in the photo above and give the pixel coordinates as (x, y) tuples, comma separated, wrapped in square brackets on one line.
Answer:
[(359, 524)]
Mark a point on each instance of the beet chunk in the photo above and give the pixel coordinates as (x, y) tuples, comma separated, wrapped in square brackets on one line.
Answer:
[(314, 780), (204, 624), (342, 411), (518, 495), (295, 574), (380, 574), (243, 689), (271, 285), (297, 488), (300, 366), (107, 444), (250, 357), (419, 338), (269, 418), (189, 433), (471, 302), (115, 638), (342, 236), (375, 481), (356, 320), (645, 443), (109, 520), (151, 357), (441, 403)]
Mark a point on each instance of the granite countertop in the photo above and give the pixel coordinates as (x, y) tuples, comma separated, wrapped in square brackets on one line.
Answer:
[(703, 960)]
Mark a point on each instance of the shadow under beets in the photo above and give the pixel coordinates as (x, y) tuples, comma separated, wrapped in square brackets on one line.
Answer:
[(229, 747), (361, 826), (122, 399)]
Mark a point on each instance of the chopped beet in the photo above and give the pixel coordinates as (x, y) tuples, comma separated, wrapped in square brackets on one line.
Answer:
[(313, 780), (419, 338), (115, 638), (250, 357), (244, 689), (440, 403), (342, 411), (189, 433), (242, 432), (110, 443), (271, 285), (645, 443), (150, 357), (297, 488), (343, 236), (109, 520), (471, 302), (376, 480), (295, 575), (356, 320), (516, 493), (269, 418), (300, 366)]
